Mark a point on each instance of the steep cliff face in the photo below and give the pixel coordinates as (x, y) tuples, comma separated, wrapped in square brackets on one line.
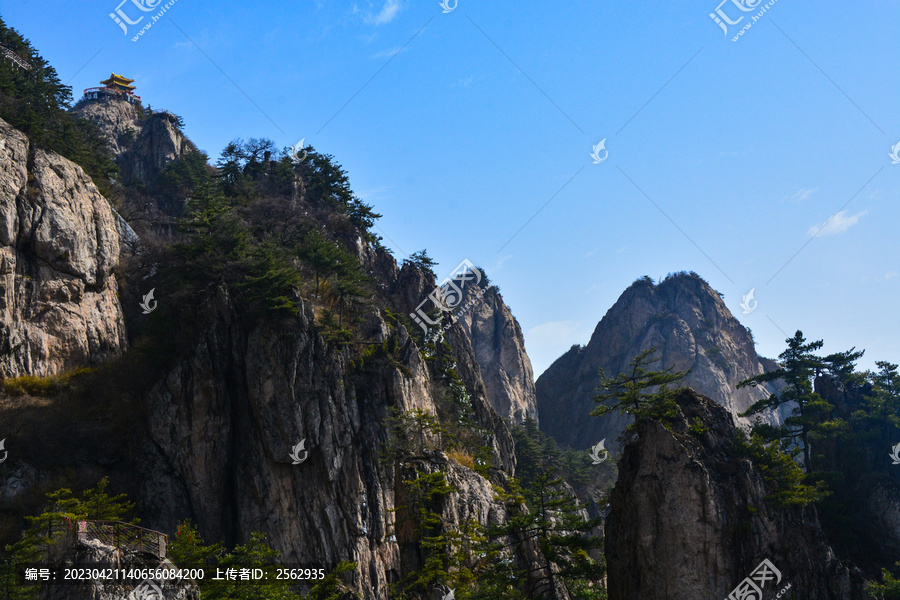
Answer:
[(688, 519), (120, 120), (58, 252), (490, 335), (690, 326), (499, 347), (220, 421), (159, 143), (143, 143), (224, 419)]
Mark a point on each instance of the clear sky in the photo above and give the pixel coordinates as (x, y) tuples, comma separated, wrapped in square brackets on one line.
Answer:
[(724, 157)]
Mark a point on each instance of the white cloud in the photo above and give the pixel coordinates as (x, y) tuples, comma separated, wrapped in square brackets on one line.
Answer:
[(462, 82), (888, 275), (388, 53), (499, 264), (373, 194), (388, 12), (802, 195), (839, 223)]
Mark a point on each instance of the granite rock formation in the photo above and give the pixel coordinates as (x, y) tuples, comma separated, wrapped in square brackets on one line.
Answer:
[(689, 519), (217, 426), (143, 142), (58, 253), (691, 328), (499, 346)]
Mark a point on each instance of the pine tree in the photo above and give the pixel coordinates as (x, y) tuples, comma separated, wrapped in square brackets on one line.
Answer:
[(546, 515), (426, 492), (188, 550), (36, 102), (421, 261), (334, 586), (323, 256), (48, 534), (799, 366), (328, 182), (626, 392), (888, 589)]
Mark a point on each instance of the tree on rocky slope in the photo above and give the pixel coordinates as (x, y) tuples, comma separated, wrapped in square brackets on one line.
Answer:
[(42, 541), (189, 550), (546, 514), (627, 391), (811, 414), (888, 589)]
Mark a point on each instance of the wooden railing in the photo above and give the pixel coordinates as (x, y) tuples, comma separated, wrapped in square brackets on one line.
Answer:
[(124, 535)]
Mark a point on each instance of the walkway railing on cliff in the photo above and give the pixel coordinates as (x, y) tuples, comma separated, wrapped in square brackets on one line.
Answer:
[(115, 533), (95, 92), (123, 535), (15, 58)]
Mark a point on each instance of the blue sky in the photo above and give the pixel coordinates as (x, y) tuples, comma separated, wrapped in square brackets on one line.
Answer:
[(725, 157)]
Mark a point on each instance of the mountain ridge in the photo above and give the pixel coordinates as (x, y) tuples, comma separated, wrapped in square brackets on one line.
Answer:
[(689, 325), (282, 320)]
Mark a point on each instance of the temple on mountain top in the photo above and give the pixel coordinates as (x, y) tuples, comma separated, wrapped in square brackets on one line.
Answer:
[(117, 82), (115, 86)]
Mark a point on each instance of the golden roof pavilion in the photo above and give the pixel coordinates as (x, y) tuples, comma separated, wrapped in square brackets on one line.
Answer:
[(117, 82)]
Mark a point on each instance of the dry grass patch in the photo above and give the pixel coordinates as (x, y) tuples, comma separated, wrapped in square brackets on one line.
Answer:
[(462, 457)]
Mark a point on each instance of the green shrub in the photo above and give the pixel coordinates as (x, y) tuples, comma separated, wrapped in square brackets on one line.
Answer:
[(888, 589), (781, 471), (697, 427)]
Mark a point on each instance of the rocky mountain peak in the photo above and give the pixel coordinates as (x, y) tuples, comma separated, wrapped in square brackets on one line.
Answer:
[(142, 141), (690, 326), (499, 347), (115, 116)]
